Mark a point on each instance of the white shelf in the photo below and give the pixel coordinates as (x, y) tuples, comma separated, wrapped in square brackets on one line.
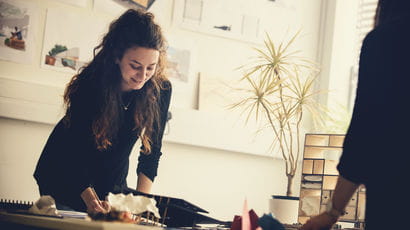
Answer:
[(44, 104)]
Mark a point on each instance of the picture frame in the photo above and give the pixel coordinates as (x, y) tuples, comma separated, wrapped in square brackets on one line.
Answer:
[(61, 43), (182, 71), (19, 23), (217, 18), (144, 4)]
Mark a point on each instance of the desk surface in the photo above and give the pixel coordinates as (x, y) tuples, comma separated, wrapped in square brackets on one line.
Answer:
[(40, 222)]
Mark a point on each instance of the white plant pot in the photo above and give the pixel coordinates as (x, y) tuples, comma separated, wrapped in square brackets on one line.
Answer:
[(285, 208)]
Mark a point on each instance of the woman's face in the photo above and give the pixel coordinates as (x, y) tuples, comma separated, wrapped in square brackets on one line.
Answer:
[(137, 66)]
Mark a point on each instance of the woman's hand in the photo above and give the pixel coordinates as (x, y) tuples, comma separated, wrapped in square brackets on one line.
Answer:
[(323, 221), (93, 203)]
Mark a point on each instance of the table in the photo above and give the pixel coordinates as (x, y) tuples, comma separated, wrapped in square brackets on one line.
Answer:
[(14, 221)]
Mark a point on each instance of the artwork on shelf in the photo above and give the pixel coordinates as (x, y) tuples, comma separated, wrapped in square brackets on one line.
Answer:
[(250, 25), (178, 63), (144, 4), (219, 18), (18, 23), (214, 93), (193, 11), (65, 48), (181, 70), (116, 7), (241, 20)]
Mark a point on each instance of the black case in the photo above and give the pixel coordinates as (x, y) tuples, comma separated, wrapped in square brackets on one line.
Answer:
[(176, 212)]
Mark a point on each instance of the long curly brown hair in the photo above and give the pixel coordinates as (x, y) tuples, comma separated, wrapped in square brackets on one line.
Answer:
[(100, 80)]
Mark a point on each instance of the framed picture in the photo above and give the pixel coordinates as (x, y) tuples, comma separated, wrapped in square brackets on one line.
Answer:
[(116, 7), (227, 19), (68, 44), (178, 63), (18, 23), (145, 4), (182, 71)]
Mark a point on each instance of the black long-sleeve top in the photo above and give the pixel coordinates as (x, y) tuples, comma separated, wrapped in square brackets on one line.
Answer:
[(70, 161), (377, 143)]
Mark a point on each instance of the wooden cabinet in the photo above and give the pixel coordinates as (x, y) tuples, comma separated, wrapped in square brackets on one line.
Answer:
[(319, 177)]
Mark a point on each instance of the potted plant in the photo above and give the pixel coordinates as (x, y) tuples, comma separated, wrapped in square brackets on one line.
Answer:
[(50, 57), (277, 89)]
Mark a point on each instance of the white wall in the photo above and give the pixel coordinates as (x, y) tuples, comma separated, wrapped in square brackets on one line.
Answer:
[(338, 50), (217, 180)]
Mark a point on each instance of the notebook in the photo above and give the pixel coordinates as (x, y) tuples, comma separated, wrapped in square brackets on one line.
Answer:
[(6, 204)]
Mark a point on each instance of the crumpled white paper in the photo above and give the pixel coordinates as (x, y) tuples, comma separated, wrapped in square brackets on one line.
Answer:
[(44, 206), (133, 204), (311, 205)]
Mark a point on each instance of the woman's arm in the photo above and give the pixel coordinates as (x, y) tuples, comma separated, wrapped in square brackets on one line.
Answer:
[(93, 202), (148, 163), (341, 197), (144, 184)]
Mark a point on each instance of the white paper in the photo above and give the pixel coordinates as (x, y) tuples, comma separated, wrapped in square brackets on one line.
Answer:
[(310, 205), (133, 204), (44, 206)]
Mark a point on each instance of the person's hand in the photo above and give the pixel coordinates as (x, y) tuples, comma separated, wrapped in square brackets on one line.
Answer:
[(93, 203), (96, 206), (323, 221)]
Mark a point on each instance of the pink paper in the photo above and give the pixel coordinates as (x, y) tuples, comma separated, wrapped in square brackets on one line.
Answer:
[(246, 221)]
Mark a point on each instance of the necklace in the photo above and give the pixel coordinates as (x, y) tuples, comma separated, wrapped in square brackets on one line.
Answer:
[(125, 107)]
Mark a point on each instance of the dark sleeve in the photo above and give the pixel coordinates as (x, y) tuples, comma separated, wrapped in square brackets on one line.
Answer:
[(82, 147), (79, 145), (62, 168), (362, 132), (148, 163)]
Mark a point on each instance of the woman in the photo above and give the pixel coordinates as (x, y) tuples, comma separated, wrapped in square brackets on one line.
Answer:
[(120, 96), (377, 140)]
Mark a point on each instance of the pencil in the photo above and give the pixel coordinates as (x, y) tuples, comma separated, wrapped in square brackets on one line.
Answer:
[(96, 195)]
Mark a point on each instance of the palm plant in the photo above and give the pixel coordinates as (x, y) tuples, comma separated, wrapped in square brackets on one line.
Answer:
[(279, 89)]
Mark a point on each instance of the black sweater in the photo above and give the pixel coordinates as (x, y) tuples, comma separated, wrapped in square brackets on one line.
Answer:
[(376, 145), (70, 161)]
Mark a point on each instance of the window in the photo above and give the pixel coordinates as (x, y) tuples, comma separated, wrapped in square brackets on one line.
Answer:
[(365, 21)]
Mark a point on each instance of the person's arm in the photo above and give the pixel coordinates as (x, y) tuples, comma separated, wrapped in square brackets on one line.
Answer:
[(81, 181), (80, 150), (148, 163), (341, 197), (144, 184), (355, 146), (343, 192), (93, 202), (82, 147)]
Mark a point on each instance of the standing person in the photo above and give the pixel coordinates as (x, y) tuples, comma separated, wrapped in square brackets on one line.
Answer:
[(120, 96), (376, 144)]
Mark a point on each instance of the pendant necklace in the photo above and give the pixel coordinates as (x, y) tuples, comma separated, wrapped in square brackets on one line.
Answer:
[(125, 107)]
